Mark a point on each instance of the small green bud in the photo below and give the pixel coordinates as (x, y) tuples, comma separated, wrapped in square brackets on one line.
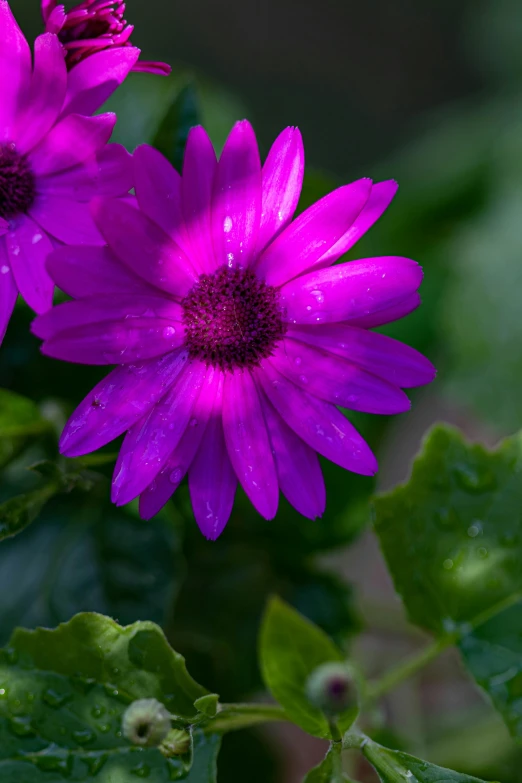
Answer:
[(331, 688), (146, 722), (176, 743)]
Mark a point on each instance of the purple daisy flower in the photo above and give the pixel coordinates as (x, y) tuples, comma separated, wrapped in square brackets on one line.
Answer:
[(53, 158), (91, 27), (236, 338)]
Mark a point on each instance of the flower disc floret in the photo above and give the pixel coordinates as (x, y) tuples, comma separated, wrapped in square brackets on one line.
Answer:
[(17, 184), (232, 319)]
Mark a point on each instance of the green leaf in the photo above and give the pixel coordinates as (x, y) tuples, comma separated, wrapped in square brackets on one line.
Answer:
[(493, 655), (19, 420), (204, 766), (63, 693), (452, 535), (291, 648), (182, 115), (394, 766), (207, 704), (326, 772)]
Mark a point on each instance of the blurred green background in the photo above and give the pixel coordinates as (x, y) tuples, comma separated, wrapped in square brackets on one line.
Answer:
[(424, 92)]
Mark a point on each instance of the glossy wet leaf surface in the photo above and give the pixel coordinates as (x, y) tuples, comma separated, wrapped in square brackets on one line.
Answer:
[(452, 536), (396, 767), (63, 693), (291, 648)]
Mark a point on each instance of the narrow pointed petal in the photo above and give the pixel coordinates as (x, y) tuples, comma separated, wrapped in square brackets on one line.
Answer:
[(177, 466), (109, 173), (337, 381), (28, 248), (248, 444), (71, 142), (92, 271), (158, 189), (8, 290), (15, 71), (99, 309), (299, 248), (283, 173), (143, 246), (212, 480), (118, 402), (150, 442), (45, 95), (318, 423), (236, 201), (199, 171), (388, 314), (351, 290), (390, 359), (93, 80), (381, 196), (66, 220), (298, 470)]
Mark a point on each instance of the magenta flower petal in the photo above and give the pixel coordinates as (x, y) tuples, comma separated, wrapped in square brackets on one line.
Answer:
[(72, 141), (85, 271), (236, 201), (380, 199), (159, 492), (93, 81), (46, 93), (299, 248), (150, 442), (158, 190), (318, 423), (350, 290), (337, 381), (298, 470), (8, 290), (4, 227), (283, 173), (15, 71), (109, 173), (199, 171), (66, 220), (119, 401), (212, 480), (97, 310), (388, 314), (389, 359), (143, 246), (248, 444), (28, 247), (112, 342)]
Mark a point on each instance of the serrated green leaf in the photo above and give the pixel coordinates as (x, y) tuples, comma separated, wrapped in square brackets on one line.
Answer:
[(493, 655), (63, 693), (452, 534), (182, 115), (291, 648), (394, 766), (19, 512), (19, 420)]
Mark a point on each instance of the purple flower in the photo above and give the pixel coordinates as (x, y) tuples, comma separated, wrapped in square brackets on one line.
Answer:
[(91, 27), (53, 158), (236, 338)]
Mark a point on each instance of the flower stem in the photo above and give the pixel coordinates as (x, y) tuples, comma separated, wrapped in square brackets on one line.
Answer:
[(232, 717), (406, 669)]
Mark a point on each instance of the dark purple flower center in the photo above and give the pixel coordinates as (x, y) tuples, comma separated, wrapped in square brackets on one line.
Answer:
[(17, 186), (232, 319), (338, 688), (92, 26)]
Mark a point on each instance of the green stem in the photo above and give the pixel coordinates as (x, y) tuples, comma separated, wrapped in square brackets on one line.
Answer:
[(232, 717), (409, 667), (378, 758), (337, 762)]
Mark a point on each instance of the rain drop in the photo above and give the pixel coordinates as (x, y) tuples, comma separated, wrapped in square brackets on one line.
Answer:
[(474, 530), (482, 552), (83, 737), (54, 698), (176, 476), (448, 564)]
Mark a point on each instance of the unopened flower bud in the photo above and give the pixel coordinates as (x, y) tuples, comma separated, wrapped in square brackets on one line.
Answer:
[(176, 743), (146, 722), (331, 688)]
